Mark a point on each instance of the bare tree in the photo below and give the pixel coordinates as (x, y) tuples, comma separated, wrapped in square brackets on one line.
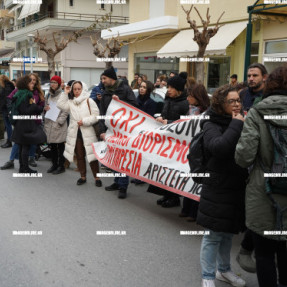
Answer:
[(201, 38), (111, 47), (60, 45)]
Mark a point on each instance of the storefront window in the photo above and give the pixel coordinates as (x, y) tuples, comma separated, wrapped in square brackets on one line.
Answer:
[(218, 73), (148, 64)]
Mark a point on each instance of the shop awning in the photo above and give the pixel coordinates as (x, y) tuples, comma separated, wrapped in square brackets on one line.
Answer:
[(183, 45), (29, 9)]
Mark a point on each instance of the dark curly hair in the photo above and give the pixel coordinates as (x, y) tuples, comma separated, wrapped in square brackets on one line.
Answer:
[(219, 96), (276, 81), (23, 83)]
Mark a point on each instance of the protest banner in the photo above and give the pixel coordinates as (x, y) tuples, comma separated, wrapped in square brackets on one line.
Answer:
[(141, 147)]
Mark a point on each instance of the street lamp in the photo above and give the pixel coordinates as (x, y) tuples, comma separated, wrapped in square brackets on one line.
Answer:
[(31, 41)]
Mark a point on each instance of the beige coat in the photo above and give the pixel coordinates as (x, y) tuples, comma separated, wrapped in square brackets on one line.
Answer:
[(56, 131), (79, 110)]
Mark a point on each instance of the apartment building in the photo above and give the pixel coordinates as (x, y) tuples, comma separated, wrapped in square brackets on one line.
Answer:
[(62, 17)]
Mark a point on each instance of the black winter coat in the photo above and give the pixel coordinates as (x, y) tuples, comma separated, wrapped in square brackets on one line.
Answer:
[(4, 93), (28, 131), (147, 105), (125, 94), (174, 108), (221, 206)]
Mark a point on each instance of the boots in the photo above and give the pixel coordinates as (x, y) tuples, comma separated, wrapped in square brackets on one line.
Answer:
[(7, 144)]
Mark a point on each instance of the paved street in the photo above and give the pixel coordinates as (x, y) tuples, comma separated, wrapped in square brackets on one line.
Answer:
[(69, 252)]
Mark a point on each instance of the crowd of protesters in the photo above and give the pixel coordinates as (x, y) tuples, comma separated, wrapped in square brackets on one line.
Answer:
[(237, 141)]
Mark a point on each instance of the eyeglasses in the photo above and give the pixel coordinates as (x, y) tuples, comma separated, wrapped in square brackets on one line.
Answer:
[(233, 102), (53, 82)]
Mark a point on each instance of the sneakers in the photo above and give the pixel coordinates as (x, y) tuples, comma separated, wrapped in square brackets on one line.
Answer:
[(114, 186), (246, 261), (230, 278), (8, 164), (32, 162), (207, 283)]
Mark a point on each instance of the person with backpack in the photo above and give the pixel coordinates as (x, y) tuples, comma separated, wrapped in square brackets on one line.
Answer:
[(26, 131), (221, 207), (199, 102), (56, 131), (263, 147)]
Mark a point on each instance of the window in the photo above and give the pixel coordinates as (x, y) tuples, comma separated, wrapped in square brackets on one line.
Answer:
[(275, 54), (218, 73), (274, 47), (150, 65), (71, 3), (102, 6), (254, 53)]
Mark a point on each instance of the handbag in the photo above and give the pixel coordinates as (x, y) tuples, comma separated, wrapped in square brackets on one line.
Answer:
[(96, 126)]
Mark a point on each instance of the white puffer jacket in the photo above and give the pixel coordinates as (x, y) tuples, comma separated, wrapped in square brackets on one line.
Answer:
[(79, 110)]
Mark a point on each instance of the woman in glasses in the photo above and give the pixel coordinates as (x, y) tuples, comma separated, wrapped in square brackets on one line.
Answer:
[(56, 130), (221, 207)]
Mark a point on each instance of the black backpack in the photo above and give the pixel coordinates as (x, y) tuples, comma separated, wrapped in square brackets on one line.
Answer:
[(197, 157), (277, 185)]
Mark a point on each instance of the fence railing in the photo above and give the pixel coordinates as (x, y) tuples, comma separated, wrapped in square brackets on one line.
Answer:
[(67, 16)]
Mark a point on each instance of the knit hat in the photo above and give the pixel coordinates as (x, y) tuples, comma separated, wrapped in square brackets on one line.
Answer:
[(56, 79), (176, 82), (110, 73)]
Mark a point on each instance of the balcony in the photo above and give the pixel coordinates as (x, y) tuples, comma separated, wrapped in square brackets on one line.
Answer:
[(58, 21)]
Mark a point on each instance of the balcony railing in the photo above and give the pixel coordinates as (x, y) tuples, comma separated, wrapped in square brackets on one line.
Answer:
[(67, 16)]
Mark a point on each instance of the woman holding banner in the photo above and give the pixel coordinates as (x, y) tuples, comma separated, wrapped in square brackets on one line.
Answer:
[(81, 134), (146, 104), (175, 106), (221, 208)]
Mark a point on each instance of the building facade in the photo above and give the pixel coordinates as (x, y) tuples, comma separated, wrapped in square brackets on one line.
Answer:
[(171, 39), (62, 18)]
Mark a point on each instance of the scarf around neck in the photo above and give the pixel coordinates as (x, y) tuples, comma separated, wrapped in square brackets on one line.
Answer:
[(21, 96)]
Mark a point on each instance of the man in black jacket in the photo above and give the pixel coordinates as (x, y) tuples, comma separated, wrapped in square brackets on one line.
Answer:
[(115, 87), (256, 77)]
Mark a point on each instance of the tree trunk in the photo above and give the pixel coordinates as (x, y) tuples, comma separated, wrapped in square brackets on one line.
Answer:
[(51, 66), (199, 72), (199, 66), (108, 64)]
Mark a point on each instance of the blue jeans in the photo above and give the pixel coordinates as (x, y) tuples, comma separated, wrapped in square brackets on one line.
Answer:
[(15, 151), (8, 125), (215, 248), (122, 182)]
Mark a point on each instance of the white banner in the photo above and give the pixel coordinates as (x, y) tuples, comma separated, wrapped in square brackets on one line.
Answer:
[(141, 147)]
